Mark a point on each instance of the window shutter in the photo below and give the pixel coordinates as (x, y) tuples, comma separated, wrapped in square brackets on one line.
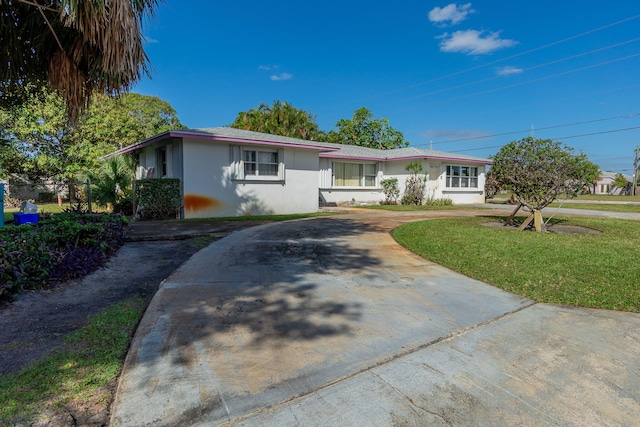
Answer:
[(281, 164)]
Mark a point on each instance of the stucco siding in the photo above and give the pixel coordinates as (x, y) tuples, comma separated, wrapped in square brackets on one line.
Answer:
[(435, 184), (211, 189)]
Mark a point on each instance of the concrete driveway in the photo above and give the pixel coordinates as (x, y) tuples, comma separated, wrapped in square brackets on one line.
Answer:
[(328, 321)]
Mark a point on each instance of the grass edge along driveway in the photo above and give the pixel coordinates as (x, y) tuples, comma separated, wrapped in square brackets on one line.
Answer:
[(587, 270)]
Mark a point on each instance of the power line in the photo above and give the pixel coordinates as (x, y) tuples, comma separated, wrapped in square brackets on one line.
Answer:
[(630, 116), (521, 83), (558, 138), (557, 61), (552, 101), (478, 67)]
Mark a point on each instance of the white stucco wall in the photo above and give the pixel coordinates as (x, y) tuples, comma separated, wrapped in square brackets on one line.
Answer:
[(208, 178), (435, 186), (331, 194)]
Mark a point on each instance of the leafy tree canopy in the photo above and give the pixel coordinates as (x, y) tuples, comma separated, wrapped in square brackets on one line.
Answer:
[(75, 47), (36, 140), (281, 118), (364, 130), (537, 171)]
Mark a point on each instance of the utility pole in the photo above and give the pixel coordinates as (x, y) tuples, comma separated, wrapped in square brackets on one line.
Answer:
[(636, 169)]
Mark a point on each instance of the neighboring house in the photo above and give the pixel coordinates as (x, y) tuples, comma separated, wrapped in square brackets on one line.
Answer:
[(605, 184), (231, 172)]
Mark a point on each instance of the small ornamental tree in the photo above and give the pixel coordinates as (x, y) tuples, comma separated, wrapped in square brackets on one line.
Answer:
[(491, 186), (537, 171), (415, 185), (391, 191)]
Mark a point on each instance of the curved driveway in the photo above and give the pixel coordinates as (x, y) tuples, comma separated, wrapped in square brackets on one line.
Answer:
[(327, 321)]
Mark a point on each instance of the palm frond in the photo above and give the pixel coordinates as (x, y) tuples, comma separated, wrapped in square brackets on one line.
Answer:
[(75, 46)]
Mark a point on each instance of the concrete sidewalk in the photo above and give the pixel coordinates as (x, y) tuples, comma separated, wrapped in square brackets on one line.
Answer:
[(328, 321)]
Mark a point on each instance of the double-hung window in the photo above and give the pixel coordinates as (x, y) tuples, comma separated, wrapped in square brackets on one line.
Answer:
[(462, 176), (354, 174), (260, 163), (257, 163)]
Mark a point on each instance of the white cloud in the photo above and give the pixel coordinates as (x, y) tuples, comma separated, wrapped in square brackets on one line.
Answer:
[(508, 70), (149, 40), (473, 42), (267, 67), (281, 76), (451, 13)]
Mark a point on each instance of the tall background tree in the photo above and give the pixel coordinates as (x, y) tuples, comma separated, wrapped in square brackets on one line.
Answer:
[(38, 142), (365, 130), (281, 118), (537, 171), (75, 47)]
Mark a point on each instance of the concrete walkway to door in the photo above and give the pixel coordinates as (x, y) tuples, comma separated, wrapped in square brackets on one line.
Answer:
[(327, 321)]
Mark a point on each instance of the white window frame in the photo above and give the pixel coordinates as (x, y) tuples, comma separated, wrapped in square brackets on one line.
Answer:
[(239, 162), (457, 175), (364, 175)]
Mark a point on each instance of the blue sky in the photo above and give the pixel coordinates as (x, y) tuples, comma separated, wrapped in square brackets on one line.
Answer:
[(465, 77)]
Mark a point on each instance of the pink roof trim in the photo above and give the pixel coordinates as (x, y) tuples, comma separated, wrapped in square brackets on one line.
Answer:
[(198, 135), (386, 159)]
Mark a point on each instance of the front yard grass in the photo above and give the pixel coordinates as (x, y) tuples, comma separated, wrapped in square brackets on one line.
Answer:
[(589, 270), (82, 377)]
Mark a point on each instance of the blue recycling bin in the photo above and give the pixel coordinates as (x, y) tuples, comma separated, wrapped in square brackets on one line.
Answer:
[(25, 218)]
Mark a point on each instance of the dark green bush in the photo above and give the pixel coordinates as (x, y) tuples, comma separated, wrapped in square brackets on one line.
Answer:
[(158, 198), (65, 246)]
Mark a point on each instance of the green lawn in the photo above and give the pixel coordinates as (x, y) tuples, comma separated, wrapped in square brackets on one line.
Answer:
[(80, 376), (595, 270)]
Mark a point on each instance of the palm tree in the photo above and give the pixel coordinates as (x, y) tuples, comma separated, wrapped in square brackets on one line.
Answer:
[(111, 184), (281, 118), (596, 177), (75, 46)]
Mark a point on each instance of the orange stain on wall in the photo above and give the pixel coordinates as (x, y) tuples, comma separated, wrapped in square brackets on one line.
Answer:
[(196, 202)]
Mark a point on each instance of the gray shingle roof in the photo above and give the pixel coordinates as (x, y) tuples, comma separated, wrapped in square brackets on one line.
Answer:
[(327, 149), (340, 150), (247, 134), (612, 175), (357, 151)]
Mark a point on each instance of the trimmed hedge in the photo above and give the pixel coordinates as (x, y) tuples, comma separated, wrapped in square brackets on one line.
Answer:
[(66, 246), (158, 198)]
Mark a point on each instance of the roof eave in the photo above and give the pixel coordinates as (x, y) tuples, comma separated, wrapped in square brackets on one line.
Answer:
[(415, 157), (201, 135)]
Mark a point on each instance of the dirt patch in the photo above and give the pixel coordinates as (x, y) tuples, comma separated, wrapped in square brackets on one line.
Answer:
[(559, 228)]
